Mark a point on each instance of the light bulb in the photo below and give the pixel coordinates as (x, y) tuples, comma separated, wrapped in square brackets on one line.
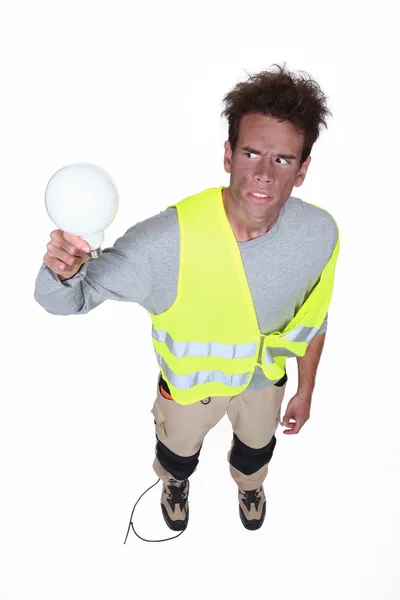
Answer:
[(82, 199)]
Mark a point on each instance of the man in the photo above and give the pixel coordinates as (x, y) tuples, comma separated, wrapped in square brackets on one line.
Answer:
[(236, 279)]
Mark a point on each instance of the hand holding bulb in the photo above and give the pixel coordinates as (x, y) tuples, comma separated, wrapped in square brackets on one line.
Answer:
[(66, 254), (82, 200)]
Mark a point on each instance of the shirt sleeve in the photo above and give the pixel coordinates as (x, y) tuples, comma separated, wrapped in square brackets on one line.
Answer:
[(121, 272), (334, 236)]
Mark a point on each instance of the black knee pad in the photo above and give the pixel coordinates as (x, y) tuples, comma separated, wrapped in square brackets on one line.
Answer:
[(180, 467), (249, 460)]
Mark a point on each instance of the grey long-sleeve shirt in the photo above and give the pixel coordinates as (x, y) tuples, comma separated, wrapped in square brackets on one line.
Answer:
[(282, 267)]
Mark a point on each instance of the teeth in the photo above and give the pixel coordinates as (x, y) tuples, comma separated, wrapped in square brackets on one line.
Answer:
[(259, 195)]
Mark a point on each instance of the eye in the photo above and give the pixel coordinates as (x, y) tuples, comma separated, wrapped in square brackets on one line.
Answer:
[(280, 158), (250, 153)]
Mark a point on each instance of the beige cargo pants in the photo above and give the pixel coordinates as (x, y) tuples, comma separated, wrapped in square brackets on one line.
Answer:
[(181, 429)]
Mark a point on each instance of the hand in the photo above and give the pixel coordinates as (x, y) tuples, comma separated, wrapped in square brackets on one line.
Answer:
[(66, 253), (297, 410)]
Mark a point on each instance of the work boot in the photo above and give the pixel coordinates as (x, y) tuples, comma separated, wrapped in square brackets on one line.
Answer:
[(252, 507), (175, 504)]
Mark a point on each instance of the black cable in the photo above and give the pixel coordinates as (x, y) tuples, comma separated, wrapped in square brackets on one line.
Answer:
[(131, 523)]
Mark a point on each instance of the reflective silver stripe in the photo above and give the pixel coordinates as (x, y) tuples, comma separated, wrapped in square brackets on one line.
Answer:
[(301, 334), (185, 382), (181, 349), (281, 352), (268, 360), (271, 352)]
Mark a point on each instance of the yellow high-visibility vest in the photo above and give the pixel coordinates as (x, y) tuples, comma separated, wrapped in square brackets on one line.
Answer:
[(209, 343)]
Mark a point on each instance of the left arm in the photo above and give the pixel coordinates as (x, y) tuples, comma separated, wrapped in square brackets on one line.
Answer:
[(298, 409), (308, 365)]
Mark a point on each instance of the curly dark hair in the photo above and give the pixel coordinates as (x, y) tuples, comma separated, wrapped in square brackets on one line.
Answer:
[(283, 95)]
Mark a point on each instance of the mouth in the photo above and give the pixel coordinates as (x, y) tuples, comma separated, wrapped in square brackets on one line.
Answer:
[(259, 197)]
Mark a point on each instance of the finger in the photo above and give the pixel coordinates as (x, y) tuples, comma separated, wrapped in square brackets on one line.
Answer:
[(294, 429), (71, 243), (57, 266), (75, 241), (57, 238), (74, 251), (57, 252), (289, 429)]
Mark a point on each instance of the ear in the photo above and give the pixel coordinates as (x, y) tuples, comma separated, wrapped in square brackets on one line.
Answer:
[(302, 172), (227, 157)]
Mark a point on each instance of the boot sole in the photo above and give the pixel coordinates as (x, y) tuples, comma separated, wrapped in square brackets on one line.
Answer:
[(174, 525)]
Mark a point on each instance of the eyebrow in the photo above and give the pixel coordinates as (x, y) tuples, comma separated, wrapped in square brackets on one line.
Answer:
[(253, 151)]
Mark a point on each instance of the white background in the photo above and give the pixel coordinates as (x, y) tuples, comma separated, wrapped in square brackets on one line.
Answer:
[(138, 91)]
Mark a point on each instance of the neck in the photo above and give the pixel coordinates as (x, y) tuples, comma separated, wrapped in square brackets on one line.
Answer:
[(244, 227)]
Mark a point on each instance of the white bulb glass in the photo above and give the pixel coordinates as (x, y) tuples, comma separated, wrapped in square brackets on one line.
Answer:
[(82, 199)]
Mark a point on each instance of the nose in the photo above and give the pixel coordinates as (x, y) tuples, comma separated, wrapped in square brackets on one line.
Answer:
[(265, 171)]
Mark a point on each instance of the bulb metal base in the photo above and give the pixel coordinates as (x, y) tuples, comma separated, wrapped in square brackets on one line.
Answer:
[(95, 253)]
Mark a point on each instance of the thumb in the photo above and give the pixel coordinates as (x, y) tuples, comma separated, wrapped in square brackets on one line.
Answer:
[(76, 241), (286, 418)]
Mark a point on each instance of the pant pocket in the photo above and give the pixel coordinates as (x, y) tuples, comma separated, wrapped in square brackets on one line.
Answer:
[(279, 417), (159, 420), (279, 414)]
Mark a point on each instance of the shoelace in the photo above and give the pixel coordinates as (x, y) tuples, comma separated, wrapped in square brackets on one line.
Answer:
[(177, 494), (251, 497)]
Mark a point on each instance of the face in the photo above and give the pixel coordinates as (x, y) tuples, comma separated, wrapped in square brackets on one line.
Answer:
[(266, 160)]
